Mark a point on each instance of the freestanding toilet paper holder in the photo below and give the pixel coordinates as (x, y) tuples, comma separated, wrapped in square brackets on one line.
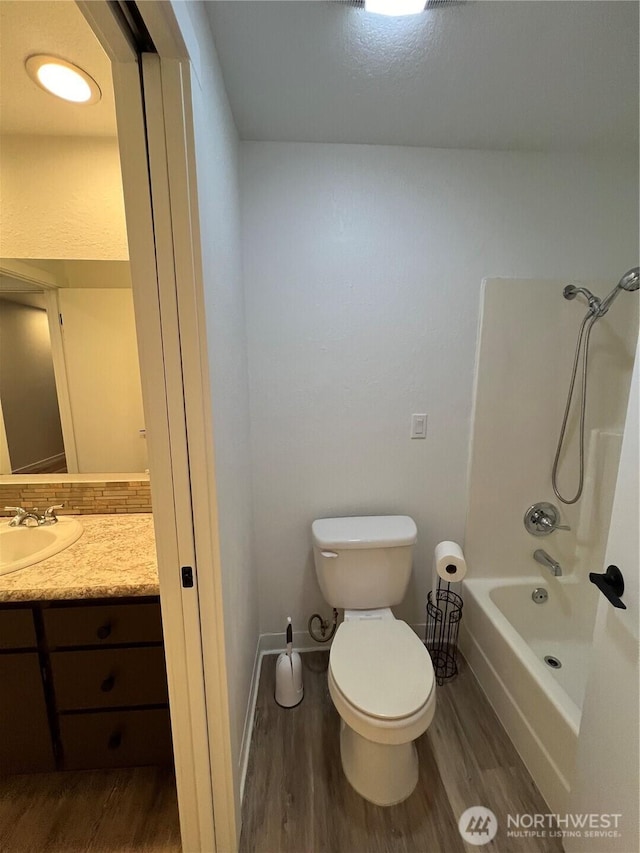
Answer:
[(443, 624)]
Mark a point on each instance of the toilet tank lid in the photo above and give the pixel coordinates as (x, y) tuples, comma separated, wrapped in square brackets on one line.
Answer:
[(365, 531)]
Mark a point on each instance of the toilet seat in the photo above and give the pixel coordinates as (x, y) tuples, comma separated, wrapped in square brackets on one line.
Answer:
[(381, 669)]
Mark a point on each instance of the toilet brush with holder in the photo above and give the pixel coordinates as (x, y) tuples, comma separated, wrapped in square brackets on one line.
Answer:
[(289, 690)]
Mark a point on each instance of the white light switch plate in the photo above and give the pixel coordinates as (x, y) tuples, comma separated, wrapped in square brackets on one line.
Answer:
[(418, 426)]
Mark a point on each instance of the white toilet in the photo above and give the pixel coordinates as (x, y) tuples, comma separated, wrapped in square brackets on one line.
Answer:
[(380, 674)]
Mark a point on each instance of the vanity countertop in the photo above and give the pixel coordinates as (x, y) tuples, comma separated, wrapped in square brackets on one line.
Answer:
[(114, 557)]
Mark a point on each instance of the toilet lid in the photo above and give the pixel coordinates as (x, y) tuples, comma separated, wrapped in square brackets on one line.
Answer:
[(381, 667)]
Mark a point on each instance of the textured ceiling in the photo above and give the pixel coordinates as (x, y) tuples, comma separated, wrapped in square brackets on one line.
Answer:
[(56, 27), (559, 75)]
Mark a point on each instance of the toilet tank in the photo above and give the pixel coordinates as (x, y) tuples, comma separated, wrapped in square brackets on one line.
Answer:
[(363, 562)]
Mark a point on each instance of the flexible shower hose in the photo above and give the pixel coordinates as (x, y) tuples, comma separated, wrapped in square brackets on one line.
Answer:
[(587, 324)]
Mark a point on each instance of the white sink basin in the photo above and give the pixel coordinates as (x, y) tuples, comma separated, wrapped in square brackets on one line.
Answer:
[(23, 546)]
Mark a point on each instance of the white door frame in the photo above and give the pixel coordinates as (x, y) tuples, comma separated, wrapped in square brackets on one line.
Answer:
[(164, 247)]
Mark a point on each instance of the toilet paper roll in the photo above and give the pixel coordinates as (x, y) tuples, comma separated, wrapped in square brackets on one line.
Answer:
[(449, 563)]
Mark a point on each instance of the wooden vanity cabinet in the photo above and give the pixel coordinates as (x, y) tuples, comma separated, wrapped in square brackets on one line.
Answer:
[(77, 624), (117, 738), (25, 738), (99, 667)]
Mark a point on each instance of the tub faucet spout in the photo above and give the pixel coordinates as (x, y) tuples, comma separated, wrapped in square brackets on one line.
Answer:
[(548, 562)]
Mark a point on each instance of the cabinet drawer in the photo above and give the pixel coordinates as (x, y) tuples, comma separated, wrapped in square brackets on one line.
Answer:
[(103, 625), (116, 739), (109, 678), (25, 740), (17, 630)]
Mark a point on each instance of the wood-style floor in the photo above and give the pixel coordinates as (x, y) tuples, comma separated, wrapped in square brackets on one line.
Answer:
[(297, 799), (130, 810)]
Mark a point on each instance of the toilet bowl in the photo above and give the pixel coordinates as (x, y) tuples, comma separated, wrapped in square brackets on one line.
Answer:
[(382, 685), (380, 674)]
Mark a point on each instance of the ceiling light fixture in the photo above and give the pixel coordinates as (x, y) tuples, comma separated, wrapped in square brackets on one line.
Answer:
[(62, 79), (396, 8)]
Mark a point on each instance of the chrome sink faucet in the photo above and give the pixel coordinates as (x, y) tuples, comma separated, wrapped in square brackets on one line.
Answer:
[(548, 562), (22, 516)]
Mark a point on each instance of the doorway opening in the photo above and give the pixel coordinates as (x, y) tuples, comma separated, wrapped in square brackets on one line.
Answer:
[(82, 660)]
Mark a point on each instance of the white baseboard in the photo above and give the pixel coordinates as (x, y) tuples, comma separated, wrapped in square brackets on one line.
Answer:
[(271, 644), (249, 719)]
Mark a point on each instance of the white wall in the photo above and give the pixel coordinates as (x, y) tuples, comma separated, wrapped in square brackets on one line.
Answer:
[(97, 273), (363, 267), (103, 375), (61, 198), (216, 143)]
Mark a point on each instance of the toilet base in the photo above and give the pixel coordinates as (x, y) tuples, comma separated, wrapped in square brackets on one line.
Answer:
[(384, 774)]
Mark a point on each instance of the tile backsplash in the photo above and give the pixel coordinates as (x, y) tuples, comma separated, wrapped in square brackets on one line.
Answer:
[(79, 498)]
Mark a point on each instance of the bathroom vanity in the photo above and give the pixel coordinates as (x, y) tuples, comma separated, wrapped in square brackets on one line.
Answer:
[(81, 655)]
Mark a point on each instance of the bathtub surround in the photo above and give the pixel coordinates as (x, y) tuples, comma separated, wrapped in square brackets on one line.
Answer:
[(606, 775), (79, 495), (511, 457), (363, 268), (505, 635)]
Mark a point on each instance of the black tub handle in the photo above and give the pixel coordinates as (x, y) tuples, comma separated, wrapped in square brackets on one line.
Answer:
[(611, 585)]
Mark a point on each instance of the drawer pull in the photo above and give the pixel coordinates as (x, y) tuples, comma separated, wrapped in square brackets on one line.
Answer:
[(115, 740), (108, 684), (104, 631)]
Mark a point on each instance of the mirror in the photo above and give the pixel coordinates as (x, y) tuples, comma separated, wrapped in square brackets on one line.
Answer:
[(70, 392), (64, 242)]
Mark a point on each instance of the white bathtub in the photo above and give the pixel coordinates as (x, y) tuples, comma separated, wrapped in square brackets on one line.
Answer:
[(505, 636)]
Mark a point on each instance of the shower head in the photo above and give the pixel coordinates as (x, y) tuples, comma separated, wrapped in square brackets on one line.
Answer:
[(630, 280)]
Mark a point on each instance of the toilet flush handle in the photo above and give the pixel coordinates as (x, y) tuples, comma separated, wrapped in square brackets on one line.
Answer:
[(331, 554)]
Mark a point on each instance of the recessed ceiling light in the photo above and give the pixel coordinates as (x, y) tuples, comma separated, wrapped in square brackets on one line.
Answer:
[(63, 79), (396, 8)]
